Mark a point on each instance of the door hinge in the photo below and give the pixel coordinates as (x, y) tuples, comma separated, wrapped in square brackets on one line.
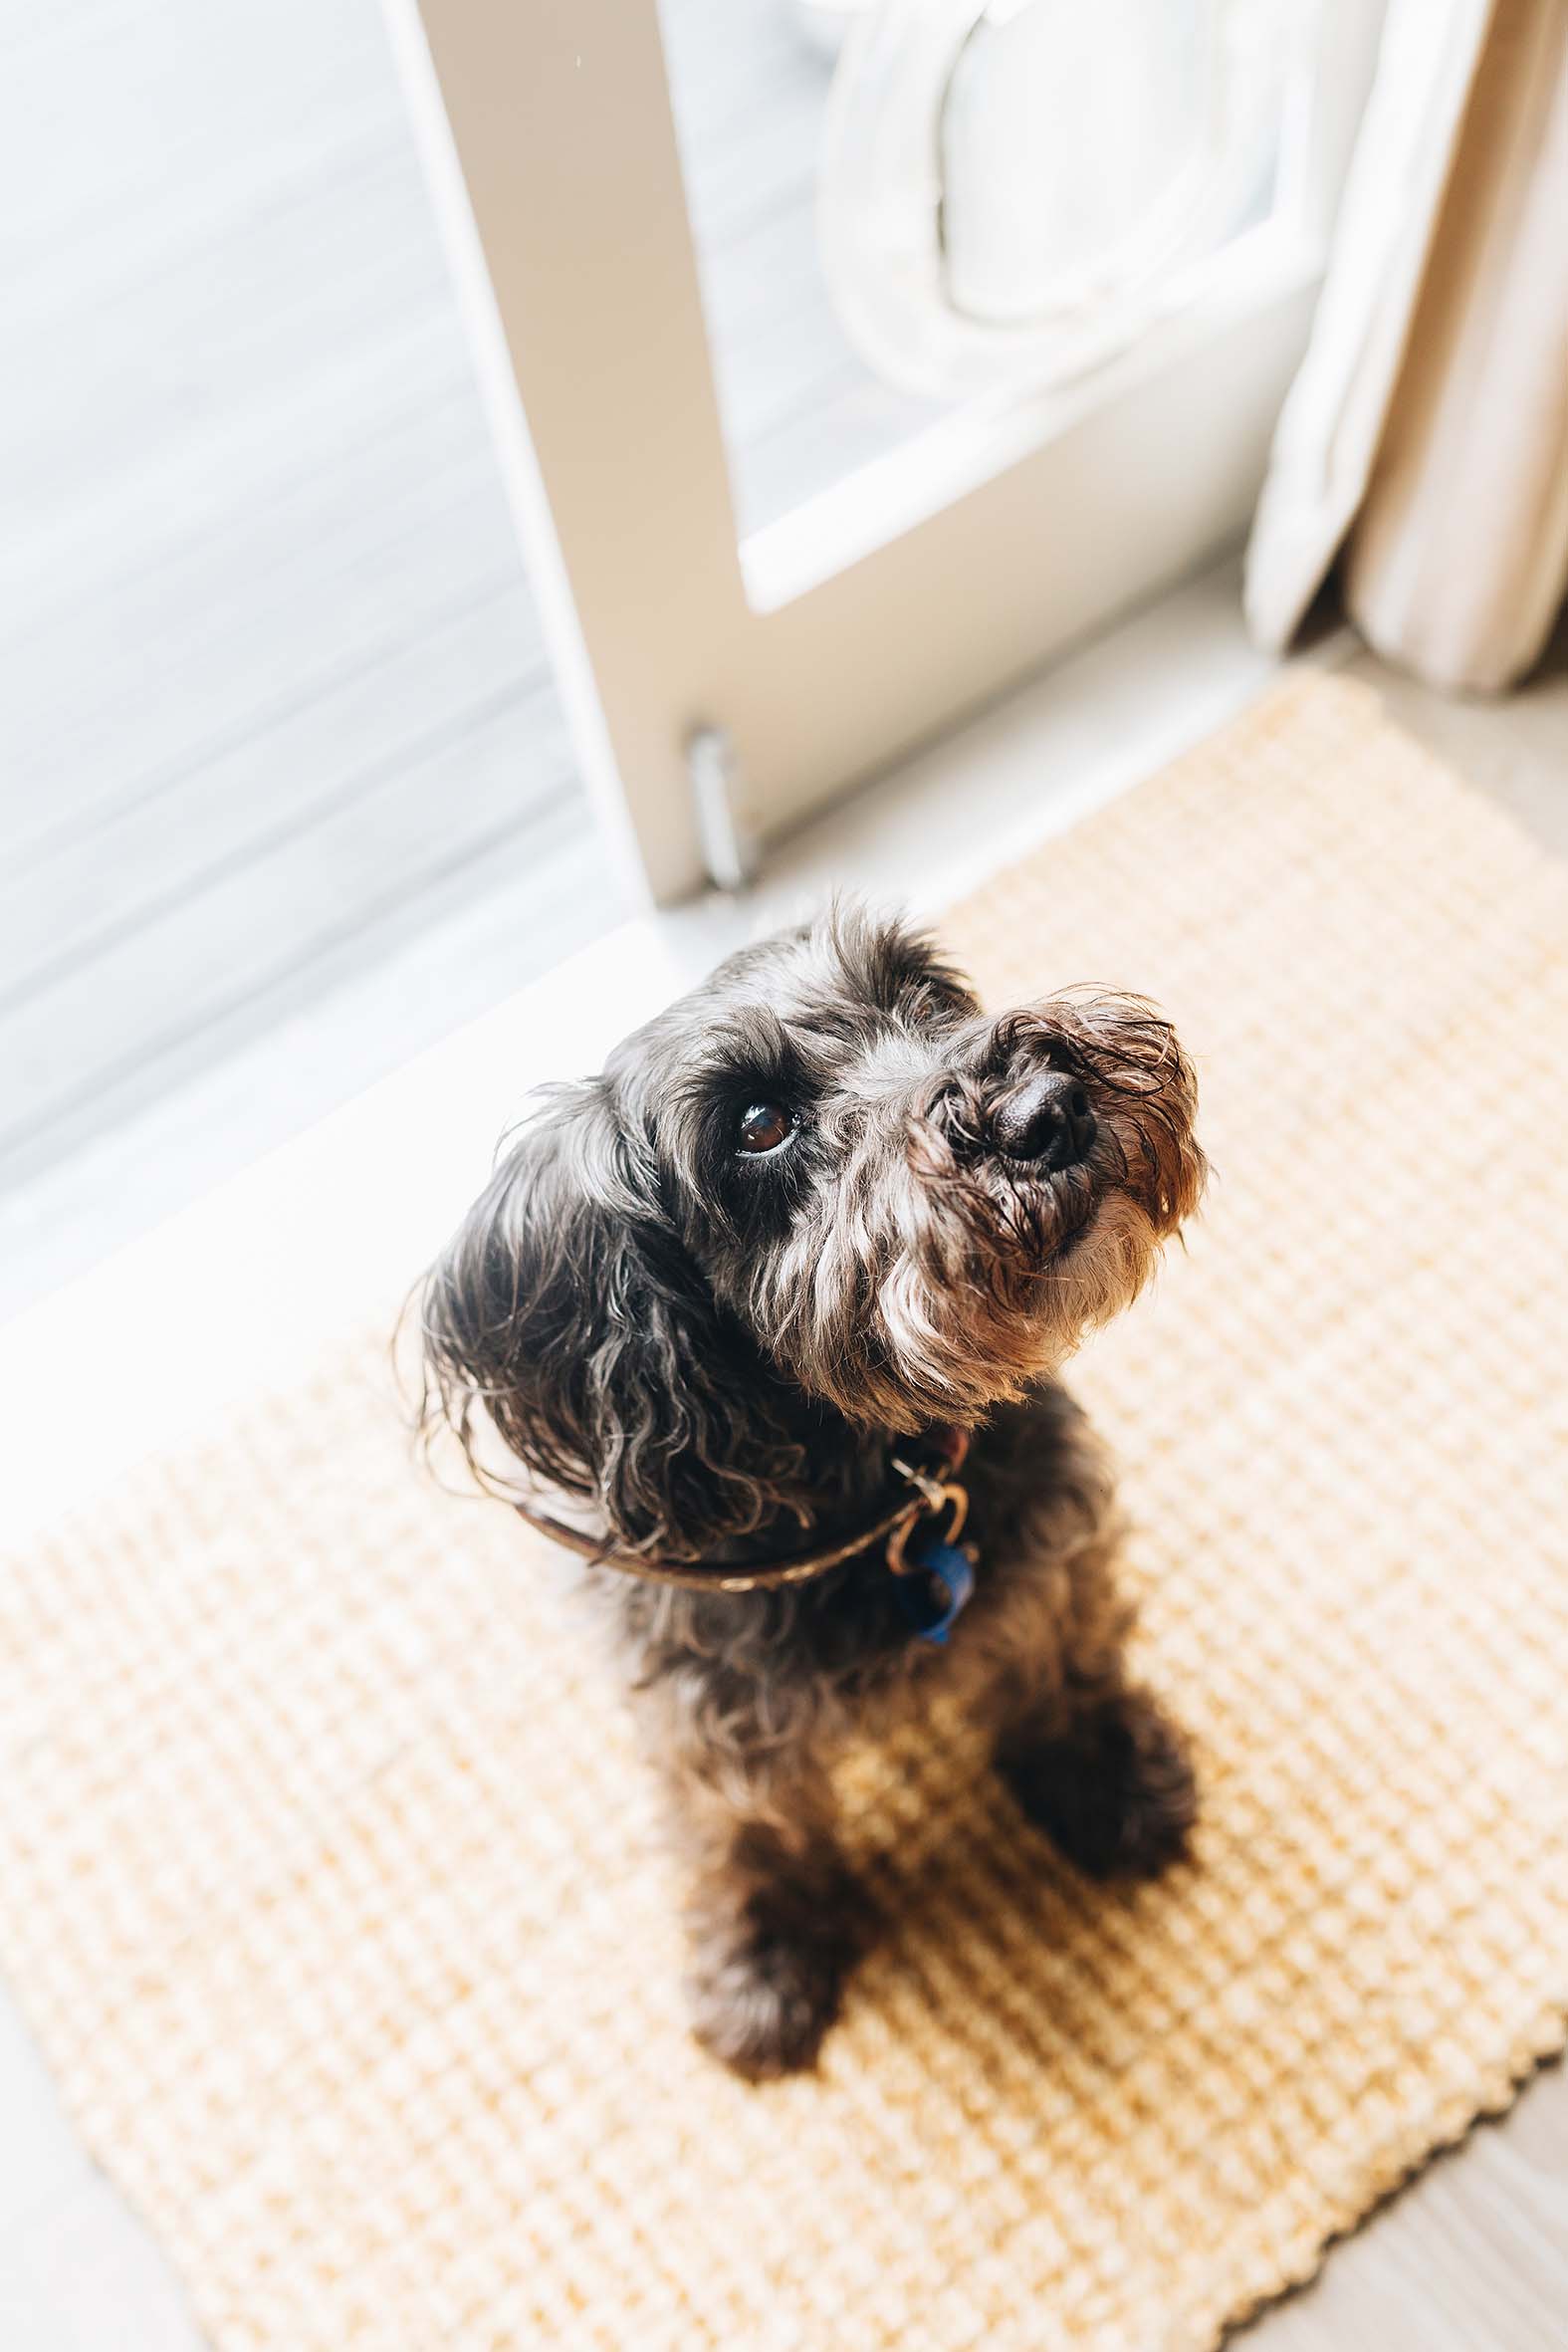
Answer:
[(731, 850)]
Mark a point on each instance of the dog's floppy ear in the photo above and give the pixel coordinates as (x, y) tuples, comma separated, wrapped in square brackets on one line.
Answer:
[(567, 1311)]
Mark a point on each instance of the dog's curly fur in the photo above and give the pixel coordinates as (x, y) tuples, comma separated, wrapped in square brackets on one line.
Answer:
[(715, 1349)]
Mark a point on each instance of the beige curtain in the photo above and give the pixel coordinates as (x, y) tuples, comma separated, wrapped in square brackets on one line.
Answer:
[(1426, 435)]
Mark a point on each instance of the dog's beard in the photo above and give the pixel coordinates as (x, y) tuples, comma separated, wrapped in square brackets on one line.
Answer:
[(969, 1319), (951, 1280)]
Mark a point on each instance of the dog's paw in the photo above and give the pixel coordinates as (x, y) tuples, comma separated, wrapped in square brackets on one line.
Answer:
[(1118, 1798), (763, 2006)]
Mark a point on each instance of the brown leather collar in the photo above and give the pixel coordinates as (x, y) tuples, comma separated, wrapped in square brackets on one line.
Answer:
[(928, 1465)]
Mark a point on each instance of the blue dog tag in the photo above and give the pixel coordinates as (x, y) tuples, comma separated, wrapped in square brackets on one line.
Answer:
[(938, 1578)]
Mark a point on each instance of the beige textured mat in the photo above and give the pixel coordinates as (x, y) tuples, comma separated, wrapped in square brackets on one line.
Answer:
[(326, 1882)]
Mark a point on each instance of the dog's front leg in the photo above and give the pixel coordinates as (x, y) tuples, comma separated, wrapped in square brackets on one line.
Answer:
[(1108, 1778), (773, 1917), (1090, 1755)]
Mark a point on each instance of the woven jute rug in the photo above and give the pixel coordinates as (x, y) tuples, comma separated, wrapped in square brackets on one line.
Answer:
[(329, 1885)]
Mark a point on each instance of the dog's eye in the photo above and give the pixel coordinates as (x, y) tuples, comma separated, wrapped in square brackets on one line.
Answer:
[(763, 1127)]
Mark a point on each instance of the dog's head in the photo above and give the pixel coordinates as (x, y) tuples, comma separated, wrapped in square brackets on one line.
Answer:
[(822, 1183)]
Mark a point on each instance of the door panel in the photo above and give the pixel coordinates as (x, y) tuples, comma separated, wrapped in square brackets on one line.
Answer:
[(816, 612)]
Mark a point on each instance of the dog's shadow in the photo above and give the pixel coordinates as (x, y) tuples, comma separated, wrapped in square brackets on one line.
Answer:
[(987, 1952)]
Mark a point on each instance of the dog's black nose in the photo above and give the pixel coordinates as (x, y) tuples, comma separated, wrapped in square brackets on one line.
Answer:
[(1047, 1118)]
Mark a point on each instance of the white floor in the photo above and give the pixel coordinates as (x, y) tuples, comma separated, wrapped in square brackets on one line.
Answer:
[(1474, 2258)]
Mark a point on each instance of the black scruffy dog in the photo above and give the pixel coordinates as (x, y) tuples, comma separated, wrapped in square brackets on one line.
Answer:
[(817, 1233)]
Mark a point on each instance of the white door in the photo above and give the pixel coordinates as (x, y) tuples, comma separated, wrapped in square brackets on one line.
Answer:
[(1034, 276)]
